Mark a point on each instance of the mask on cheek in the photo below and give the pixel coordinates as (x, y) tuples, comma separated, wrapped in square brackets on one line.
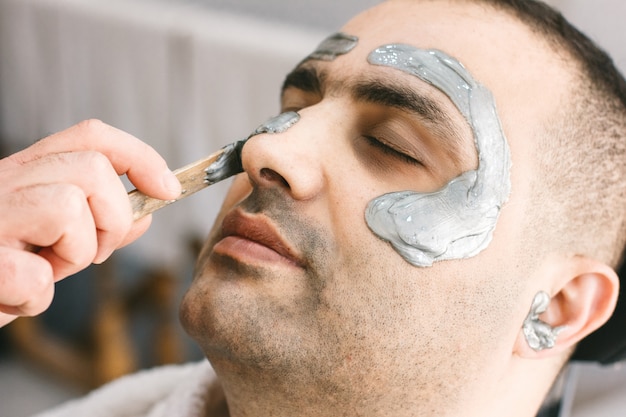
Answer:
[(458, 220)]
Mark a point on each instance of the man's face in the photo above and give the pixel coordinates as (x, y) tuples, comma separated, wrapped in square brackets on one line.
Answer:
[(293, 280)]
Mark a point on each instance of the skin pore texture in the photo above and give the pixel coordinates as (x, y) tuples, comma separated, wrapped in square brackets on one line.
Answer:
[(332, 320)]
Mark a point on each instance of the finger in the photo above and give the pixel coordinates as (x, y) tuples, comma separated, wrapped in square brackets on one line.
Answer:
[(6, 318), (66, 227), (144, 167), (105, 193), (139, 228), (26, 283)]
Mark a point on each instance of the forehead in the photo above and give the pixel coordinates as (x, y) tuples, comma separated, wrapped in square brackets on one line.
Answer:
[(498, 50), (469, 31), (501, 53)]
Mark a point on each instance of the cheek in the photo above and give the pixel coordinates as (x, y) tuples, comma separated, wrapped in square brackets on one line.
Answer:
[(390, 305)]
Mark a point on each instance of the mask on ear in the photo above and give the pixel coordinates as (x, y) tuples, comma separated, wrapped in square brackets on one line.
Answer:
[(539, 334)]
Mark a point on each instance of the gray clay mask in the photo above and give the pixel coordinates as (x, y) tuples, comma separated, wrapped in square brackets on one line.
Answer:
[(277, 124), (539, 334), (229, 163), (334, 46), (458, 220)]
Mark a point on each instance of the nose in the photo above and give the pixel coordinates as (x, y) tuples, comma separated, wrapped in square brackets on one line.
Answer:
[(291, 159)]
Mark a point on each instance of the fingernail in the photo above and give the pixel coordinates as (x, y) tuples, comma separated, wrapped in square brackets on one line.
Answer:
[(100, 258), (171, 183)]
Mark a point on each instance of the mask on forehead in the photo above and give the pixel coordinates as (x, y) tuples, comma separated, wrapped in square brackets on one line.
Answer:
[(458, 220), (333, 46)]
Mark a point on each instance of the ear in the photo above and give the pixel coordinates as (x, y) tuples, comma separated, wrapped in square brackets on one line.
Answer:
[(583, 298)]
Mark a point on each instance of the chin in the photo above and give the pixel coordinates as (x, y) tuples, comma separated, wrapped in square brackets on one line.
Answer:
[(238, 324)]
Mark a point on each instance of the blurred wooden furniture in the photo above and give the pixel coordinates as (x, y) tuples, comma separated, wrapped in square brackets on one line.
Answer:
[(110, 351)]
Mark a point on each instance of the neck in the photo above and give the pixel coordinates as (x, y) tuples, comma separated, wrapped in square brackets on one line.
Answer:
[(255, 393)]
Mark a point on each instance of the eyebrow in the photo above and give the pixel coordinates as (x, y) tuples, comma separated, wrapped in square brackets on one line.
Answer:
[(307, 79), (390, 94), (385, 93)]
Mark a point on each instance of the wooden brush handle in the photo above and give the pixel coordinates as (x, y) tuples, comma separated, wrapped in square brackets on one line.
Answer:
[(192, 179)]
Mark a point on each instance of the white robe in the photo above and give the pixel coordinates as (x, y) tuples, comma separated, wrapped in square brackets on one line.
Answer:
[(173, 390)]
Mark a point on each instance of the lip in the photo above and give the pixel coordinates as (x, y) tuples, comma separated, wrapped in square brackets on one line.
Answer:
[(254, 239)]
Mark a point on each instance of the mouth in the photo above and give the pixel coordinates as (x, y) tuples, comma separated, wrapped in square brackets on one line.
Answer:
[(253, 239)]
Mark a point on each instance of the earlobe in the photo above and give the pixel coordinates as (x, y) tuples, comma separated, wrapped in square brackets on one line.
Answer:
[(582, 301)]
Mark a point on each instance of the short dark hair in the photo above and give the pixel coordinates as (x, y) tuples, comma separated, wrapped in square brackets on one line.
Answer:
[(580, 157), (546, 21), (581, 162)]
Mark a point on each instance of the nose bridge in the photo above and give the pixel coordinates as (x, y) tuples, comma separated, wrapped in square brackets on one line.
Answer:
[(292, 139), (292, 157)]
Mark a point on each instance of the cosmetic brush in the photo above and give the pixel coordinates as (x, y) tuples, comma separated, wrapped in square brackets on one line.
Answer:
[(214, 168), (193, 177)]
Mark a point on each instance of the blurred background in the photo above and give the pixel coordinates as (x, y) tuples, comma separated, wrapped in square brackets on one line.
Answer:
[(186, 76)]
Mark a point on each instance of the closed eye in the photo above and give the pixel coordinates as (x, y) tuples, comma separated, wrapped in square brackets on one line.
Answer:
[(388, 150)]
